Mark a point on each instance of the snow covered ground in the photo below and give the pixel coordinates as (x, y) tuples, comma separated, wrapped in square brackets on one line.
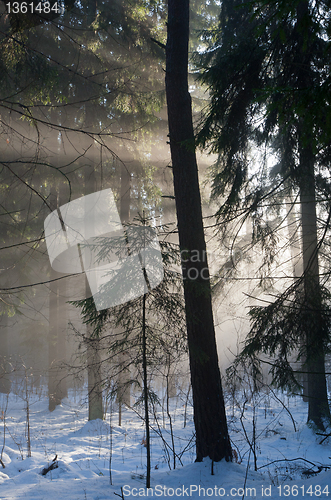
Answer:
[(83, 450)]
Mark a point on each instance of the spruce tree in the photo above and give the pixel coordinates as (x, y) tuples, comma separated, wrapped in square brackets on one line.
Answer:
[(274, 92)]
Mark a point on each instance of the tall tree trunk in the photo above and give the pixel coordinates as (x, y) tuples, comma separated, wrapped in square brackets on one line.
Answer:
[(313, 324), (57, 385), (212, 438), (5, 383), (94, 375), (93, 343), (318, 407), (123, 378), (62, 388), (53, 399)]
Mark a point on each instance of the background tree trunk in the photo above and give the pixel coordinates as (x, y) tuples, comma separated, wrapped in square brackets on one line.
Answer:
[(5, 382), (57, 336), (295, 241), (209, 412), (93, 343), (123, 378), (94, 375)]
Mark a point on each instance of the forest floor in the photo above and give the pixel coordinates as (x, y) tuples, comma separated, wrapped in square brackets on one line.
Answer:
[(96, 459)]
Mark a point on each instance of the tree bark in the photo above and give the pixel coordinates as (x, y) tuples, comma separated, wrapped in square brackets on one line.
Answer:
[(123, 378), (5, 382), (92, 342), (94, 375), (318, 407), (57, 385), (212, 438), (313, 324)]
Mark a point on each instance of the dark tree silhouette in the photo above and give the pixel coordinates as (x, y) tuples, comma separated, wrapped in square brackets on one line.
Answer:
[(212, 438)]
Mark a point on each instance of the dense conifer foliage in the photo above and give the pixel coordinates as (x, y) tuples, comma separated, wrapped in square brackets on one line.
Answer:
[(267, 70)]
